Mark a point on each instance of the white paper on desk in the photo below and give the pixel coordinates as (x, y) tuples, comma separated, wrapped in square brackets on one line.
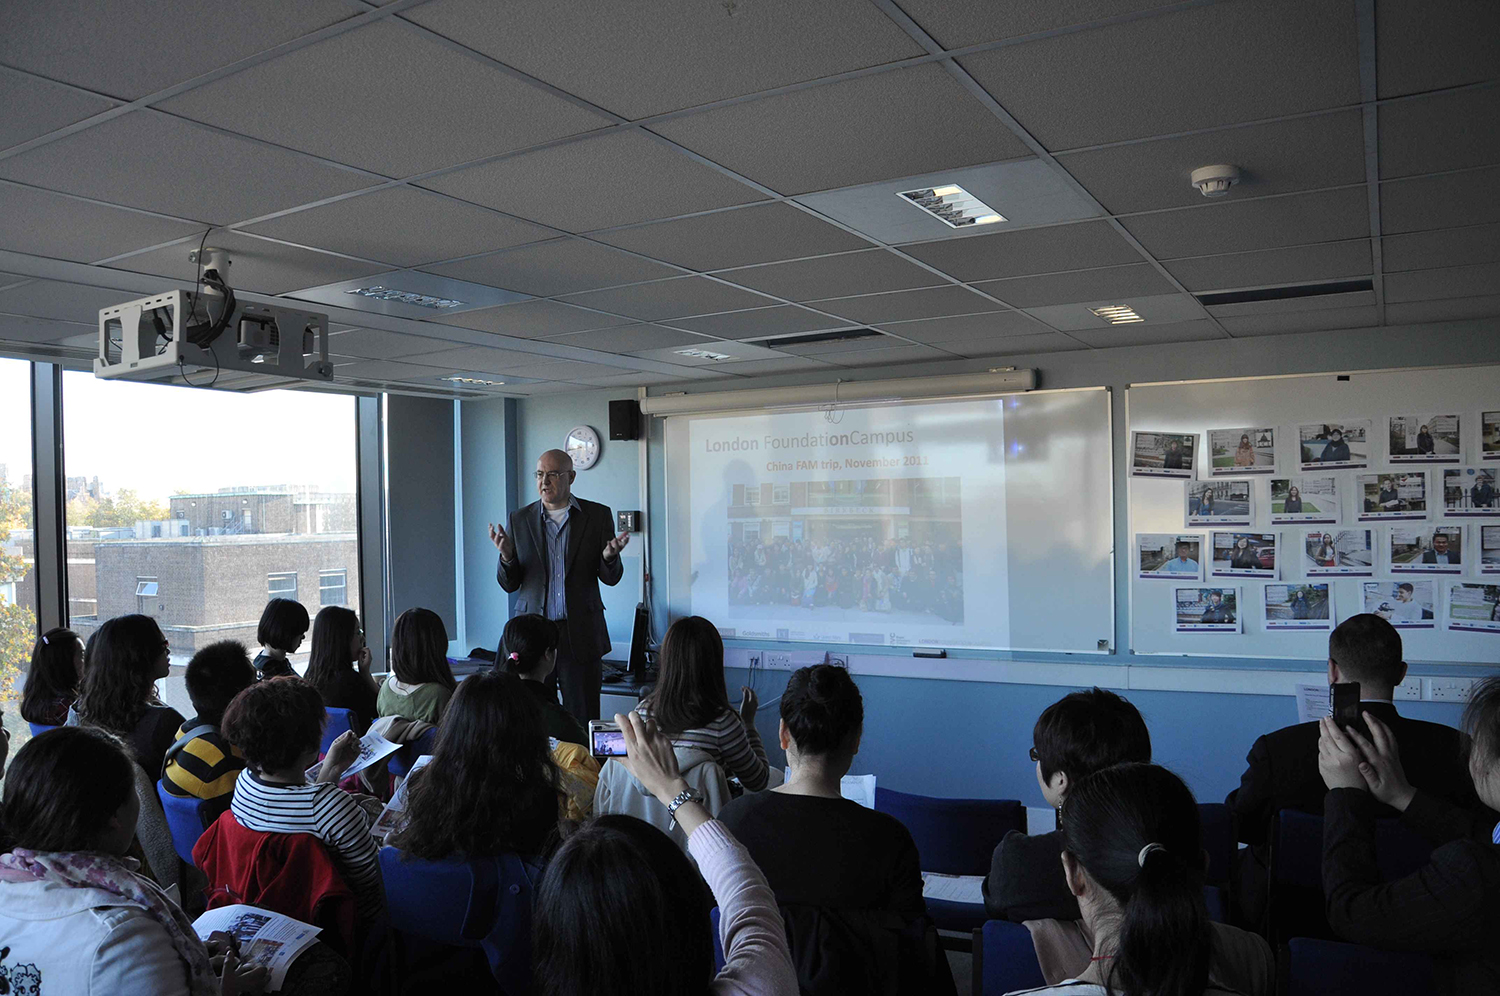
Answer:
[(386, 822), (953, 888), (265, 938), (1313, 703), (372, 749)]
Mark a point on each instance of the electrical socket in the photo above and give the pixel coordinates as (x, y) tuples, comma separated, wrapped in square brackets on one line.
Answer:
[(1411, 688), (779, 659), (1449, 689)]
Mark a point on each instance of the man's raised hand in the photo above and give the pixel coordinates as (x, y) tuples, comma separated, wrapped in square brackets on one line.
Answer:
[(503, 543), (613, 547)]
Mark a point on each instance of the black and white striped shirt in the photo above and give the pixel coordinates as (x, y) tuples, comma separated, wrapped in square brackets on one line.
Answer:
[(329, 814)]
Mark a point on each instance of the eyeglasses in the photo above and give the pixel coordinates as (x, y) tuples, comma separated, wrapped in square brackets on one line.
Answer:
[(550, 475), (1034, 755)]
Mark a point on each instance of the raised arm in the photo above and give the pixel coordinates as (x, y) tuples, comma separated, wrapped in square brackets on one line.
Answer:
[(509, 571), (610, 568)]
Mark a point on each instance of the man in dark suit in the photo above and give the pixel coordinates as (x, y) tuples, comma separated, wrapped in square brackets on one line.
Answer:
[(555, 553), (1441, 552), (1282, 771)]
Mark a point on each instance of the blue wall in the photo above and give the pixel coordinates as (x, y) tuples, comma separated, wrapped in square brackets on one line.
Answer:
[(487, 433), (419, 502)]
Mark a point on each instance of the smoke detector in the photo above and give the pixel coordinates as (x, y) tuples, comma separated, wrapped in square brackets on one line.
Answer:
[(1215, 181)]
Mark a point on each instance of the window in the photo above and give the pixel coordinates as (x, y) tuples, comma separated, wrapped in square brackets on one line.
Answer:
[(752, 494), (17, 543), (333, 587), (282, 584), (147, 586), (781, 494)]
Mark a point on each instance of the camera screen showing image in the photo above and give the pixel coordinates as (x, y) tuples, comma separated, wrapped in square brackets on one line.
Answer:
[(606, 740)]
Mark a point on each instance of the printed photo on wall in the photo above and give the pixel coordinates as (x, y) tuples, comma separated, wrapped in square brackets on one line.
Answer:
[(1433, 550), (1391, 496), (1245, 555), (1489, 549), (1163, 454), (1489, 436), (1299, 606), (1424, 439), (1237, 452), (1403, 604), (1338, 552), (1305, 499), (1207, 610), (1219, 503), (1169, 556), (1334, 445), (1474, 607), (1471, 492)]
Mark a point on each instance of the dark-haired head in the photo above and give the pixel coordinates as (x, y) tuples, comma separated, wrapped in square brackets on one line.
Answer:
[(336, 642), (419, 649), (1367, 649), (215, 675), (120, 681), (56, 668), (690, 690), (283, 624), (71, 789), (276, 724), (621, 911), (1133, 854), (1482, 723), (1083, 732), (527, 647), (822, 716)]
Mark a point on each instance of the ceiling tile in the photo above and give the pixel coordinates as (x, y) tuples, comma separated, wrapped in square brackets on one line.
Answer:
[(398, 371), (868, 272), (402, 226), (1432, 134), (644, 59), (1277, 158), (1237, 226), (1269, 267), (1134, 280), (843, 132), (894, 354), (670, 298), (958, 25), (1456, 309), (1196, 68), (378, 344), (642, 378), (1320, 302), (14, 328), (41, 223), (1302, 321), (130, 50), (615, 178), (160, 163), (631, 338), (831, 349), (740, 237), (34, 107), (1157, 310), (1034, 250), (938, 331), (559, 369), (780, 364), (930, 302), (1148, 335), (493, 360), (1450, 247), (561, 266), (255, 264), (1046, 342), (64, 301), (1452, 200), (1428, 46), (534, 319), (389, 98), (1453, 281), (759, 322)]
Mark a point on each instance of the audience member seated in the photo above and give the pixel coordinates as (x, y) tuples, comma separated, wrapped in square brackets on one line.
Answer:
[(1133, 857), (283, 624), (202, 764), (277, 724), (491, 786), (119, 689), (340, 664), (1450, 908), (421, 682), (620, 910), (829, 859), (52, 681), (75, 917), (1074, 737), (528, 650), (691, 705), (1282, 767)]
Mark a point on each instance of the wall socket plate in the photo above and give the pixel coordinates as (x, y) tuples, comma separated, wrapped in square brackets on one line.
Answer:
[(1411, 689), (1448, 689), (780, 659)]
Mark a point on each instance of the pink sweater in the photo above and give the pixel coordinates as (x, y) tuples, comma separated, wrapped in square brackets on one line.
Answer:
[(757, 961)]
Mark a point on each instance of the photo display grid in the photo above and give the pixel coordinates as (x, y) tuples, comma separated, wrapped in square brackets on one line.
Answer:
[(1424, 439), (1311, 499), (1471, 492), (1391, 496), (1246, 555), (1237, 452), (1163, 454), (1169, 556), (1219, 503), (1307, 605), (1474, 607)]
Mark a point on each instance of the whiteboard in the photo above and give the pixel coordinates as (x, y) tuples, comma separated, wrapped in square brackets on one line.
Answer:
[(1026, 483), (1157, 506)]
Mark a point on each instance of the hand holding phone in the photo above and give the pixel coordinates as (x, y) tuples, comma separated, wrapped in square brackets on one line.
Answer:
[(1346, 711)]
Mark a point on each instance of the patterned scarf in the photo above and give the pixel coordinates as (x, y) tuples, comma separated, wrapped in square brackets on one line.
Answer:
[(91, 870)]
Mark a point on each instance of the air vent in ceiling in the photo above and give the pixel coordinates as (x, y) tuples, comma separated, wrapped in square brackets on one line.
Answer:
[(1286, 293), (808, 338)]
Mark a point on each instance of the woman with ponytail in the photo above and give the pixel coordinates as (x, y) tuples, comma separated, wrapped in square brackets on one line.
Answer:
[(528, 650)]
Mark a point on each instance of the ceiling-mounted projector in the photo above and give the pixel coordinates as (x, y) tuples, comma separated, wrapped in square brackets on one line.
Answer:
[(209, 338)]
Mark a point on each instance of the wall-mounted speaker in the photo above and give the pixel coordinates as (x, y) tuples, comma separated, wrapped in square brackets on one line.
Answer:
[(624, 419)]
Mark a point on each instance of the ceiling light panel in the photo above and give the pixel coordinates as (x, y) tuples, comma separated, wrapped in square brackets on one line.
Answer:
[(1118, 314), (953, 206)]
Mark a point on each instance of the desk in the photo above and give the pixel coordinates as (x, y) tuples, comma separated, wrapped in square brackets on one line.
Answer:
[(622, 696)]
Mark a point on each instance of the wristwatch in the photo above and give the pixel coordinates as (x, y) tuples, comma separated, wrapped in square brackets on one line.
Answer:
[(682, 798)]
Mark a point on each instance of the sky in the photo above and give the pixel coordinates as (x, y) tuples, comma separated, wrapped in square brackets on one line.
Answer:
[(160, 439)]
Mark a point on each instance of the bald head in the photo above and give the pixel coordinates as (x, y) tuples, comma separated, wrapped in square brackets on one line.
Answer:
[(554, 478)]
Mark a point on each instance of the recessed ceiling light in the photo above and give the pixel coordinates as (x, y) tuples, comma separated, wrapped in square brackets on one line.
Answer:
[(382, 293), (953, 206), (1118, 314), (475, 381), (703, 354)]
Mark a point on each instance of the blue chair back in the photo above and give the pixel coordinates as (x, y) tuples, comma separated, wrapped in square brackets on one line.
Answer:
[(1005, 960), (185, 820), (1218, 841), (37, 729), (338, 723), (713, 915), (401, 762), (1315, 968), (953, 836), (1216, 899)]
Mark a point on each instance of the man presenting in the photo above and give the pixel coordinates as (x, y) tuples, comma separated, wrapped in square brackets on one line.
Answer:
[(555, 553)]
